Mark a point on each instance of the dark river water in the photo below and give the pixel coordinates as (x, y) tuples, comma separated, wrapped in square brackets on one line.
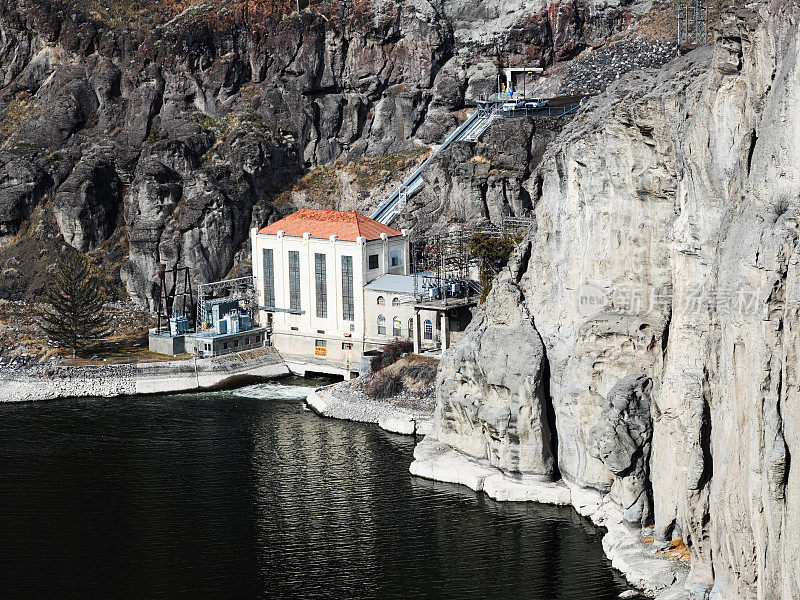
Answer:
[(244, 494)]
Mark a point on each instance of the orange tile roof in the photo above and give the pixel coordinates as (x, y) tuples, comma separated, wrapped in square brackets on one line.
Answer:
[(322, 224)]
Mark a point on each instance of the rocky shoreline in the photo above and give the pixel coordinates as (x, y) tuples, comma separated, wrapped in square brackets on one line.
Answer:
[(346, 402), (48, 382), (661, 577)]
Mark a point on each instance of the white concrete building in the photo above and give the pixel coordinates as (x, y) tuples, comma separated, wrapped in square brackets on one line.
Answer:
[(393, 308), (310, 270), (390, 313)]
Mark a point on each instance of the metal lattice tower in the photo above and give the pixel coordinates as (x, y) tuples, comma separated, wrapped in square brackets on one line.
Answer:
[(169, 297), (693, 23), (439, 262)]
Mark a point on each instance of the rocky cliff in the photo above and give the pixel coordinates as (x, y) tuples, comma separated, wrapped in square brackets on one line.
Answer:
[(162, 131), (659, 292)]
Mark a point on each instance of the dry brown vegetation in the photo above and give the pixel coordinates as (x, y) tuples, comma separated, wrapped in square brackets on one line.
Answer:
[(18, 110), (411, 379), (324, 186), (24, 340), (678, 550), (251, 15)]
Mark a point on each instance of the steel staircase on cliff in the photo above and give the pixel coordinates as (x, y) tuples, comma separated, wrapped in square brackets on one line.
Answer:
[(388, 210), (469, 131)]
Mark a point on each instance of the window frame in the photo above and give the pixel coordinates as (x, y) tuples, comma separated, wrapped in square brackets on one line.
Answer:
[(268, 270), (321, 284), (293, 259), (348, 298), (381, 325)]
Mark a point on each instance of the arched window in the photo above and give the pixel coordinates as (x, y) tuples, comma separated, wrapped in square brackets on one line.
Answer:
[(428, 329), (411, 327), (397, 327), (381, 325), (381, 300), (395, 301)]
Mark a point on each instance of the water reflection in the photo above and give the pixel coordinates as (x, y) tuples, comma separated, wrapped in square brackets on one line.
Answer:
[(246, 495)]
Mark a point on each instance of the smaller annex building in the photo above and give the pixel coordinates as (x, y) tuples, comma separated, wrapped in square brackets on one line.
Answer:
[(310, 270), (394, 309), (390, 313)]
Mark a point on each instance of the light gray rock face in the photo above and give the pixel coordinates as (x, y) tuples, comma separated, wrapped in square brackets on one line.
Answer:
[(621, 441), (491, 400), (667, 243)]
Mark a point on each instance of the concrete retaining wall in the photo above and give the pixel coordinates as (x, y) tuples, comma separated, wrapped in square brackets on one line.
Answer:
[(46, 383)]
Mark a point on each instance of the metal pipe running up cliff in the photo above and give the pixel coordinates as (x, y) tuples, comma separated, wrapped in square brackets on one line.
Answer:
[(486, 108), (385, 209)]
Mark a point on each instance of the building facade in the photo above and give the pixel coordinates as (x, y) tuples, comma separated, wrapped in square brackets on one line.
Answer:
[(390, 313), (310, 270), (394, 307)]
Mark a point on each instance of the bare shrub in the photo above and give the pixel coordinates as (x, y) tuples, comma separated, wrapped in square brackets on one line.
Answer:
[(391, 353), (381, 386)]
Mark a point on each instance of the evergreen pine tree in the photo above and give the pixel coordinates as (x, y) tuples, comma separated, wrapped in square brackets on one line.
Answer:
[(73, 317)]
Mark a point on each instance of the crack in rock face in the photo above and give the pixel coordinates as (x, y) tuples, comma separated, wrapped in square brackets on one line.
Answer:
[(621, 440), (492, 403)]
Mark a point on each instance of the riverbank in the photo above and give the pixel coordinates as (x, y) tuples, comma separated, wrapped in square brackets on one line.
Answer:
[(346, 401), (657, 573), (50, 381)]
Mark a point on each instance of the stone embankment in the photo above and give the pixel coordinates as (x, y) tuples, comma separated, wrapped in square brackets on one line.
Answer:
[(346, 401), (59, 381)]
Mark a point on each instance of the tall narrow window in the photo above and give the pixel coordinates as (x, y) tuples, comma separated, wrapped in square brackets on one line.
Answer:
[(348, 312), (428, 329), (381, 325), (294, 280), (269, 278), (322, 285), (411, 327), (397, 327)]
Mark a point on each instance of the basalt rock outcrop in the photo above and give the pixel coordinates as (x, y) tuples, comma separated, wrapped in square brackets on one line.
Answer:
[(158, 129), (663, 282), (621, 440)]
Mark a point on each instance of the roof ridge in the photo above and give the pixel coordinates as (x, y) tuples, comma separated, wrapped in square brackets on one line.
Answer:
[(322, 222)]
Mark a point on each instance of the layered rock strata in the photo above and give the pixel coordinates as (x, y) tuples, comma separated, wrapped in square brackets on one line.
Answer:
[(661, 277)]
